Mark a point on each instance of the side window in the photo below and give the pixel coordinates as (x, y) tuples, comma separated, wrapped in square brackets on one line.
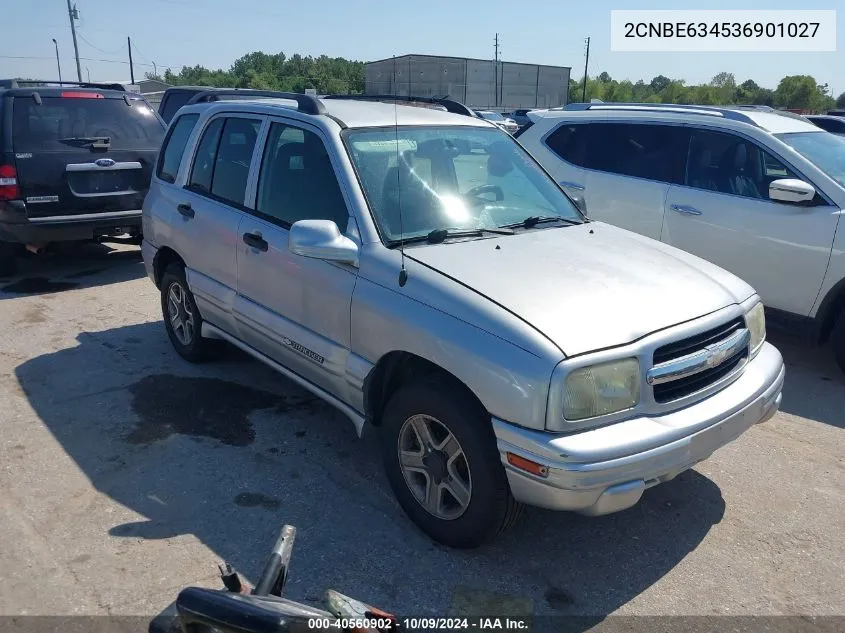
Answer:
[(203, 168), (730, 164), (234, 155), (174, 147), (297, 181), (654, 152), (569, 142)]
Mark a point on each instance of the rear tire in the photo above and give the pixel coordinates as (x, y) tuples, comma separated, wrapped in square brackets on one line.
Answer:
[(470, 502), (182, 319), (837, 340), (8, 262)]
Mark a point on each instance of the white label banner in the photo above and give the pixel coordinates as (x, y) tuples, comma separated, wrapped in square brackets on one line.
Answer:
[(723, 31)]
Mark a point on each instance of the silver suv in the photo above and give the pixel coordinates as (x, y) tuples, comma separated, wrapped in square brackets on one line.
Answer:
[(421, 272)]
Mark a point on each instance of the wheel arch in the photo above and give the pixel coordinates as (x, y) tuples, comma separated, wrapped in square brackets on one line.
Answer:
[(163, 258), (829, 310), (397, 368)]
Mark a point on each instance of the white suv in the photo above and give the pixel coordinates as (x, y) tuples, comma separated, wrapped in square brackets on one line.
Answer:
[(755, 191)]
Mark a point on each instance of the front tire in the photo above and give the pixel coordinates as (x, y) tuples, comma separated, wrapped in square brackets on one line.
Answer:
[(181, 317), (442, 463)]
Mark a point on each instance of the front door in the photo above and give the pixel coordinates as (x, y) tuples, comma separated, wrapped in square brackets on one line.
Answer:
[(295, 309), (723, 214)]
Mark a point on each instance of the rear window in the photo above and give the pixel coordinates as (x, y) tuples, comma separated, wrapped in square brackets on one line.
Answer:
[(173, 102), (62, 123)]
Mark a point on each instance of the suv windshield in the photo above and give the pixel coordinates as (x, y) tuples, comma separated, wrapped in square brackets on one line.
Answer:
[(60, 123), (826, 151), (451, 178), (492, 116)]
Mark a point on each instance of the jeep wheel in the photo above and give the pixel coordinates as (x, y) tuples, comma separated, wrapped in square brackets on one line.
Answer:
[(441, 460), (181, 317)]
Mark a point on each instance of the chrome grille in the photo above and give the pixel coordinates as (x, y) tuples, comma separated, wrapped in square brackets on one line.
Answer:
[(684, 367)]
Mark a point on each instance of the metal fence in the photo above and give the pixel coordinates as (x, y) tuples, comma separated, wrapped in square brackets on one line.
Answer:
[(478, 83)]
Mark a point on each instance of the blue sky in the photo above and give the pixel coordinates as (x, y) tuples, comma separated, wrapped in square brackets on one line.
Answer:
[(214, 33)]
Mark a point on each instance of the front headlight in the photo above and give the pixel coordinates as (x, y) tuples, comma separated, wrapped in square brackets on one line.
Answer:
[(601, 389), (755, 321)]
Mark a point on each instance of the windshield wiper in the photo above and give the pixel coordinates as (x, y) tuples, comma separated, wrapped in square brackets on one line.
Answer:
[(96, 141), (439, 235), (533, 220)]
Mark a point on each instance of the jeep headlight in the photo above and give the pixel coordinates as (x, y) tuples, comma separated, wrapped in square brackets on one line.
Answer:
[(601, 389), (755, 321)]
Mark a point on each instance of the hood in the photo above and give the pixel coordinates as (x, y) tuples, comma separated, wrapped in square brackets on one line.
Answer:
[(587, 287)]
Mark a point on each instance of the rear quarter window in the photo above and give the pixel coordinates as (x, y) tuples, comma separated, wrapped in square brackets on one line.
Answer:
[(59, 123)]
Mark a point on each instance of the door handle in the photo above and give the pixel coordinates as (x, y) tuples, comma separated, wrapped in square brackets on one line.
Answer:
[(571, 185), (185, 209), (682, 208), (255, 241)]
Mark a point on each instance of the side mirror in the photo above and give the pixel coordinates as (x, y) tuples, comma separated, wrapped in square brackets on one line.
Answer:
[(791, 190), (321, 239)]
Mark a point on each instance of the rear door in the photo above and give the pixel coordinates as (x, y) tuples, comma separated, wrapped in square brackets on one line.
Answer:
[(83, 151), (209, 209), (630, 167)]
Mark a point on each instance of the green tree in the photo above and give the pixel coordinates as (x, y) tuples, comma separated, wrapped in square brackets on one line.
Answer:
[(801, 92), (659, 83), (840, 101)]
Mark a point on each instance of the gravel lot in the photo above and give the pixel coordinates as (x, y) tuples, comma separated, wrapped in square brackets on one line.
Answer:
[(128, 473)]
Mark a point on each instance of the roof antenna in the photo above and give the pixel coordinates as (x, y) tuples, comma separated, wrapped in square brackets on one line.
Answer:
[(403, 274)]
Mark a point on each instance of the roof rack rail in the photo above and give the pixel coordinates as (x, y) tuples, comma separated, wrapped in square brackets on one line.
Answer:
[(455, 107), (308, 104), (47, 83), (727, 112)]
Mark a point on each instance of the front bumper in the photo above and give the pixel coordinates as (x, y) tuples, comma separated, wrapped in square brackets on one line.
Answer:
[(606, 470)]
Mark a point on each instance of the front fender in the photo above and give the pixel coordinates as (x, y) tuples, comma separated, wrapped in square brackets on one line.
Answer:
[(511, 382)]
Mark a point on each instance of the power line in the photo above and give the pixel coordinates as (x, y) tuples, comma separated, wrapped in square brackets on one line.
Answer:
[(97, 48)]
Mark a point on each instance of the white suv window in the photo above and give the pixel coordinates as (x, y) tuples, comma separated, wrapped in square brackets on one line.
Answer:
[(727, 163), (653, 152), (569, 142)]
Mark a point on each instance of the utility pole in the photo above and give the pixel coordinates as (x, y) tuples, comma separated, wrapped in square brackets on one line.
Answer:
[(586, 62), (73, 14), (131, 65), (155, 70), (58, 63), (496, 69)]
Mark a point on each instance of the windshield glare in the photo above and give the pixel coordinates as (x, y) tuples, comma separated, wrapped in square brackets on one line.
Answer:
[(826, 151), (450, 178), (493, 116)]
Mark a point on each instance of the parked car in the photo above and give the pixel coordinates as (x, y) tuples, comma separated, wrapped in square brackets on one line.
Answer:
[(840, 113), (520, 117), (832, 124), (508, 125), (418, 270), (75, 163), (753, 191)]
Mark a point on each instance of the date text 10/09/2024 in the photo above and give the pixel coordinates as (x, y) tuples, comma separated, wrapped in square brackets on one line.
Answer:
[(421, 624)]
